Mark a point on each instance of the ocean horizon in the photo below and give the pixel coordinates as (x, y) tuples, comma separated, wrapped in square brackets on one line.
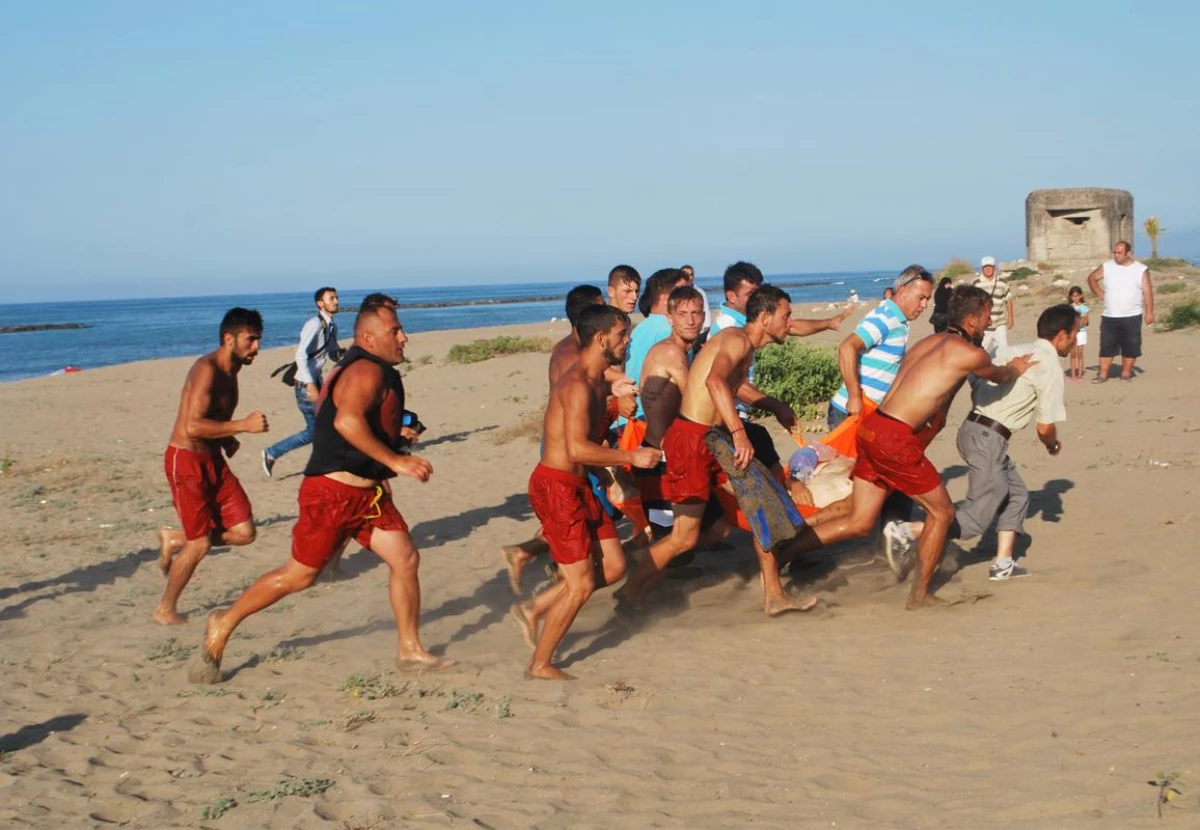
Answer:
[(126, 330)]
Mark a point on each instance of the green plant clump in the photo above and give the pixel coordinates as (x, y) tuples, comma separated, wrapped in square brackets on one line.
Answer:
[(1183, 315), (1172, 287), (303, 787), (800, 375), (218, 808), (1021, 273), (480, 350), (1156, 263), (956, 268)]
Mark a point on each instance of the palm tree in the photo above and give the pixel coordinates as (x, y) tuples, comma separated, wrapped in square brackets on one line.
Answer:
[(1150, 226)]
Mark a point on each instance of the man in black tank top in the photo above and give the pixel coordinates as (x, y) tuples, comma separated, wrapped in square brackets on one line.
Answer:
[(347, 493)]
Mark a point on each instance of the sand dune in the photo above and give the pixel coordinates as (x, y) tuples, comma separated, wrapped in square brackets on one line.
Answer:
[(1047, 702)]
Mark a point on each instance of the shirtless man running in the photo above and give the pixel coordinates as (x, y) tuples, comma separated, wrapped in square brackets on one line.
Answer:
[(891, 456), (572, 519), (346, 494), (212, 506), (665, 369), (718, 378)]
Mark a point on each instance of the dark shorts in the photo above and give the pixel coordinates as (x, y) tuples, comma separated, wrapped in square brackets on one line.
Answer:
[(764, 445), (208, 497), (1121, 336), (571, 516), (332, 512), (890, 455)]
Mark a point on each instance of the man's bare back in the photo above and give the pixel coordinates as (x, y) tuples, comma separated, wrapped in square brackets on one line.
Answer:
[(564, 353)]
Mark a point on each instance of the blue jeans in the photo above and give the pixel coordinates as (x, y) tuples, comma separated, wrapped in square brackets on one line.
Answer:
[(303, 437)]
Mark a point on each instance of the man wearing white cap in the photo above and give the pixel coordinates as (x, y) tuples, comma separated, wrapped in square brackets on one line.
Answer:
[(996, 336)]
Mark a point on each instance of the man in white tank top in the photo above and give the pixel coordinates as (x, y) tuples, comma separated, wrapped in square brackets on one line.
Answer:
[(1123, 285)]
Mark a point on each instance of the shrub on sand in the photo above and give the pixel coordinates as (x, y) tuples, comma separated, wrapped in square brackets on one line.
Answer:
[(800, 375), (1183, 315), (1021, 273), (956, 268), (480, 350), (1172, 287), (1166, 263)]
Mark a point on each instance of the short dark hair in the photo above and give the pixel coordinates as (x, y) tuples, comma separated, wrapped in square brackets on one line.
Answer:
[(239, 319), (624, 273), (579, 298), (372, 310), (683, 294), (687, 268), (660, 284), (595, 319), (965, 300), (377, 300), (322, 291), (1056, 318), (741, 272), (764, 300)]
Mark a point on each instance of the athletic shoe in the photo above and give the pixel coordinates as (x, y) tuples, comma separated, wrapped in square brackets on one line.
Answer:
[(897, 546), (999, 573), (268, 463)]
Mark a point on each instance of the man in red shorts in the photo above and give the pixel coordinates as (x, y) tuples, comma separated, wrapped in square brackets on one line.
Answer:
[(891, 452), (346, 493), (573, 521), (210, 501)]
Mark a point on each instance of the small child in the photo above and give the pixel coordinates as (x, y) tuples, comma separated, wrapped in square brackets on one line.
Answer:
[(1075, 297)]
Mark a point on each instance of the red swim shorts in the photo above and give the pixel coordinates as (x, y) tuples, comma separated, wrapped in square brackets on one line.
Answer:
[(691, 469), (332, 512), (571, 515), (207, 495), (891, 455)]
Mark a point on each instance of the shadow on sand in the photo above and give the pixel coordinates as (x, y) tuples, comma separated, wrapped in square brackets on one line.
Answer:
[(35, 733)]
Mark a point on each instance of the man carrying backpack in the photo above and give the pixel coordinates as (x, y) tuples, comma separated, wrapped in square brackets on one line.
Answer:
[(318, 346)]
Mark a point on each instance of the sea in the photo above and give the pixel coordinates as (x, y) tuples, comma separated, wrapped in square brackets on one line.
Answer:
[(122, 331)]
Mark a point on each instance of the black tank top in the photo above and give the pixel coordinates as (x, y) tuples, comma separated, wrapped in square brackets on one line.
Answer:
[(331, 452)]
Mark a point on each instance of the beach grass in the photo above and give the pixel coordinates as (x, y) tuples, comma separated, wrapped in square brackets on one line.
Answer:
[(1172, 287), (1024, 272), (479, 350), (1183, 315), (955, 268), (528, 428), (1163, 263)]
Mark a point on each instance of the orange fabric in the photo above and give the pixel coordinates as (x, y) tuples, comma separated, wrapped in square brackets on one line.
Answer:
[(631, 437), (844, 438)]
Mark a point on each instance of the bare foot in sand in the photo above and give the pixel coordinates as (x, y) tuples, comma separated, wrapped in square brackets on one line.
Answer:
[(170, 542), (785, 605), (164, 617), (546, 673), (516, 559), (522, 613), (206, 666), (424, 661), (928, 601)]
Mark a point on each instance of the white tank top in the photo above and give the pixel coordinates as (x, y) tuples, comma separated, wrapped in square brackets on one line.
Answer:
[(1123, 289)]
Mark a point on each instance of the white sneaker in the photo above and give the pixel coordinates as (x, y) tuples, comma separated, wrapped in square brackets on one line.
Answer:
[(897, 546), (999, 573)]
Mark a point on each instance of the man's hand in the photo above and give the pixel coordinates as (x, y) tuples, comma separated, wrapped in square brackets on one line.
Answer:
[(800, 493), (624, 387), (854, 405), (627, 406), (1149, 318), (646, 458), (409, 434), (255, 423), (1021, 364), (413, 466), (311, 390), (230, 445), (743, 450), (786, 417), (1055, 448), (835, 322)]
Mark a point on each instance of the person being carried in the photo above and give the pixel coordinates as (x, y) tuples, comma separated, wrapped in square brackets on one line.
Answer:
[(347, 494), (213, 508), (891, 456), (318, 346), (574, 524), (995, 490), (718, 378)]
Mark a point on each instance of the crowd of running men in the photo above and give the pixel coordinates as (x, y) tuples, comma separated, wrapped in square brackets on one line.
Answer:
[(652, 424)]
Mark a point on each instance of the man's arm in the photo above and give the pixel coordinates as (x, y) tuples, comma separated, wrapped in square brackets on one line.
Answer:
[(719, 389), (1048, 435), (197, 399), (980, 365), (1148, 297), (751, 395), (304, 376), (358, 390), (848, 355), (1093, 281), (1009, 315), (581, 449), (803, 328)]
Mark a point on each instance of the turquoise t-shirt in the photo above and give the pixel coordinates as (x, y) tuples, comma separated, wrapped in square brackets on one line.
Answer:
[(653, 329)]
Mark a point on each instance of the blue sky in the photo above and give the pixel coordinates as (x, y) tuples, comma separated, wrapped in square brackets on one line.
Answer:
[(160, 149)]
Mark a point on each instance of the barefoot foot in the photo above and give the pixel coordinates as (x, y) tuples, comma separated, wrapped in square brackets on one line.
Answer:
[(165, 616), (926, 601), (169, 543), (206, 666), (546, 673), (424, 661), (522, 614), (786, 605), (516, 560)]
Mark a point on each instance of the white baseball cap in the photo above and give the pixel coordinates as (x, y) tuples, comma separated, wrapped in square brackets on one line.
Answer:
[(986, 261)]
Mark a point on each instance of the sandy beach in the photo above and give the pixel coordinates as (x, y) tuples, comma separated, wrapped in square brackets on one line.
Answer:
[(1044, 702)]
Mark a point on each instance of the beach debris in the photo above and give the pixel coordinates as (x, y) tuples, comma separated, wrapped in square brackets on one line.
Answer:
[(1156, 463), (1168, 784)]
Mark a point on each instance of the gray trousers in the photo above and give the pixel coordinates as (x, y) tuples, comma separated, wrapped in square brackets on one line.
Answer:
[(993, 485)]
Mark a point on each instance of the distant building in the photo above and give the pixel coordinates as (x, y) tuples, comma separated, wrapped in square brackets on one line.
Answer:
[(1076, 225)]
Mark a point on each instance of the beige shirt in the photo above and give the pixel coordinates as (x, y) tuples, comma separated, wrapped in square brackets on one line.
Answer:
[(1037, 392)]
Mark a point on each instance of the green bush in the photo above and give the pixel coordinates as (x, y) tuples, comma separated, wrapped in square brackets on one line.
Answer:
[(1172, 288), (1021, 273), (956, 268), (800, 375), (1159, 263), (487, 349), (1183, 315)]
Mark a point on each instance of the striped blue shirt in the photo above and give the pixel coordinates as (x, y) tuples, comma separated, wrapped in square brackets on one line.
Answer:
[(885, 333)]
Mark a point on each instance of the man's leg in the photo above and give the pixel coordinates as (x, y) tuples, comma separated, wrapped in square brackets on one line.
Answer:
[(563, 606), (682, 538), (1127, 367), (865, 503), (267, 590), (1010, 522), (1109, 348), (183, 564), (516, 557), (293, 442), (396, 548), (775, 600), (939, 513)]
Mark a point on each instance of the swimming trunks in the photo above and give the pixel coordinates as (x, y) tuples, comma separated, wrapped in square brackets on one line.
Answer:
[(207, 495), (570, 513), (891, 455), (770, 513), (332, 512), (691, 468)]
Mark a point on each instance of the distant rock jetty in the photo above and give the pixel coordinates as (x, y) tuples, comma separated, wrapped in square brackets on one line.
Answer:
[(42, 327), (459, 303)]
